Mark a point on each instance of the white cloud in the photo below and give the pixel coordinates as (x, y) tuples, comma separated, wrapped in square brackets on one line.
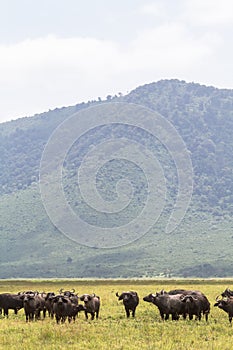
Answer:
[(49, 72), (170, 45), (41, 74), (153, 9), (209, 12), (193, 12)]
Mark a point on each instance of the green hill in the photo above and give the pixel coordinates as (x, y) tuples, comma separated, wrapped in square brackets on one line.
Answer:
[(201, 246)]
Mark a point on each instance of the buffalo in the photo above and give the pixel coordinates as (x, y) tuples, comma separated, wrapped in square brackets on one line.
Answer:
[(10, 301), (227, 293), (33, 303), (41, 306), (67, 293), (30, 304), (227, 306), (192, 306), (183, 291), (196, 304), (196, 294), (74, 310), (70, 294), (64, 308), (175, 291), (92, 305), (200, 302), (61, 306), (130, 301), (167, 304), (49, 303)]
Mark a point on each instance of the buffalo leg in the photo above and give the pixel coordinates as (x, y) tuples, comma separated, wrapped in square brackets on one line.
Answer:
[(6, 312), (127, 312), (175, 317), (161, 315)]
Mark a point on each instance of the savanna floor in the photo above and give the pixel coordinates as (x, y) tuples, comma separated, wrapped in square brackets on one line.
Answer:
[(112, 330)]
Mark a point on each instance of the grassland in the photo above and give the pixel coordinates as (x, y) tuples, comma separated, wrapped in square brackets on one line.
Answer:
[(112, 330)]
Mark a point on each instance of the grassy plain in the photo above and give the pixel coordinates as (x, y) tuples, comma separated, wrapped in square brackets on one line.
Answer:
[(112, 330)]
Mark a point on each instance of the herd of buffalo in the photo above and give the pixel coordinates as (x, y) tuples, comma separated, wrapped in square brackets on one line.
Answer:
[(66, 304)]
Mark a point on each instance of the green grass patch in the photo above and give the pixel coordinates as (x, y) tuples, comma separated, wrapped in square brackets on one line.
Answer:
[(112, 330)]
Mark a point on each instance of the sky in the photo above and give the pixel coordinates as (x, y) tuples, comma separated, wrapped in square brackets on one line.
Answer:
[(56, 53)]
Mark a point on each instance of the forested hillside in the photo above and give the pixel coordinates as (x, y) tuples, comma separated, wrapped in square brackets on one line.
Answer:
[(204, 118), (200, 246)]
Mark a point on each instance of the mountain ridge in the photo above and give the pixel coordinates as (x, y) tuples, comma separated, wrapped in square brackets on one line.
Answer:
[(31, 245)]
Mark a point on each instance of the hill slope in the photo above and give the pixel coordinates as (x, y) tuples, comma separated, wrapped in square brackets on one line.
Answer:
[(200, 246)]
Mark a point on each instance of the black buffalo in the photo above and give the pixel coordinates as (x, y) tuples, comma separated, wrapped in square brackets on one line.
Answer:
[(183, 291), (64, 308), (49, 303), (41, 304), (92, 305), (10, 302), (61, 306), (67, 293), (199, 299), (227, 293), (34, 304), (74, 310), (192, 306), (227, 306), (195, 305), (167, 304), (30, 305), (130, 301)]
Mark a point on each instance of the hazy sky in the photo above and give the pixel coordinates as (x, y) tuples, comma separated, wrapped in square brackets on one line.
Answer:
[(56, 53)]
